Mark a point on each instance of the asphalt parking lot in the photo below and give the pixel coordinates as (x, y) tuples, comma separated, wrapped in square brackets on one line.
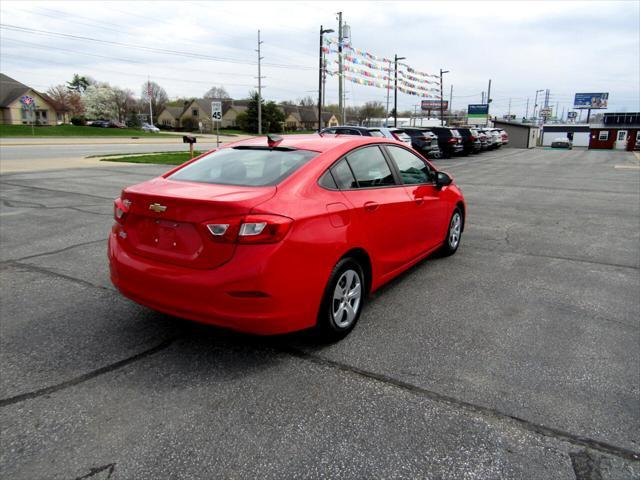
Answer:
[(516, 358)]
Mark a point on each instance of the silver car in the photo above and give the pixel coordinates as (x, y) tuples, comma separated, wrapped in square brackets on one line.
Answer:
[(562, 142)]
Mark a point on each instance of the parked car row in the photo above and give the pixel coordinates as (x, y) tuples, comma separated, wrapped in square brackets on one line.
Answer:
[(434, 142)]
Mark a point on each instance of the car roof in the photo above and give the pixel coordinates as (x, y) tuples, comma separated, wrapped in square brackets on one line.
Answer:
[(318, 143)]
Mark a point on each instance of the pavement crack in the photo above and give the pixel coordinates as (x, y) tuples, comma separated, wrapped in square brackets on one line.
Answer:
[(554, 257), (60, 250), (486, 412), (31, 187), (16, 204), (88, 376), (46, 271)]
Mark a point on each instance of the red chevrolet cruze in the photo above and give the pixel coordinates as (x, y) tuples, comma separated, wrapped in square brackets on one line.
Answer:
[(272, 235)]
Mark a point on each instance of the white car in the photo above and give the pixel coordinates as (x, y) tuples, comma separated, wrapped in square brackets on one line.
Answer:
[(146, 127)]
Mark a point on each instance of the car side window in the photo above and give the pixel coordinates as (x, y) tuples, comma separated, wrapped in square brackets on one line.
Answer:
[(413, 170), (327, 181), (370, 168), (343, 176)]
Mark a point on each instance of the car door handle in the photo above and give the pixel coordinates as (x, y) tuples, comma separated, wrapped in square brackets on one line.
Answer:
[(419, 201), (370, 206)]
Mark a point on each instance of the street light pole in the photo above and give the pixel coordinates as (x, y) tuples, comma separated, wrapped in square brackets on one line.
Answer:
[(441, 98), (535, 105), (395, 89), (320, 72)]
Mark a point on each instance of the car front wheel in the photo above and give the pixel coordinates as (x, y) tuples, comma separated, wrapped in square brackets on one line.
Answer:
[(343, 300)]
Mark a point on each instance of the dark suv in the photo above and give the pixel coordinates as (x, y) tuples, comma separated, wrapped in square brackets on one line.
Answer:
[(470, 140), (449, 140), (424, 142)]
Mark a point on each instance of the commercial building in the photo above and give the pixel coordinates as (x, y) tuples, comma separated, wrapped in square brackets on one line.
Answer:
[(521, 135), (618, 131)]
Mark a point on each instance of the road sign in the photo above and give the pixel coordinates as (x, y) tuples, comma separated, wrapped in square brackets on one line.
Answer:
[(216, 111), (572, 115), (545, 112)]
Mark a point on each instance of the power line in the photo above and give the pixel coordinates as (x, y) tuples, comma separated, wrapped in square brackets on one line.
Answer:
[(150, 49)]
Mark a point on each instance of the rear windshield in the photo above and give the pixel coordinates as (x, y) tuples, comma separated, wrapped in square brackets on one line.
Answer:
[(376, 133), (244, 166)]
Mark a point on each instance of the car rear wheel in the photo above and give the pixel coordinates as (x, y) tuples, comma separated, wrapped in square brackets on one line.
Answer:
[(454, 233), (343, 300)]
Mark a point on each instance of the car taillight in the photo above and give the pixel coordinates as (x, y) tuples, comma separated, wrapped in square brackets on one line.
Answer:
[(472, 138), (250, 229), (453, 140), (120, 210)]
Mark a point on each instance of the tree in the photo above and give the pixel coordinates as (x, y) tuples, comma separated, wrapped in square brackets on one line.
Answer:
[(307, 102), (217, 93), (124, 102), (99, 102), (371, 110), (79, 83), (69, 100), (272, 116), (158, 96)]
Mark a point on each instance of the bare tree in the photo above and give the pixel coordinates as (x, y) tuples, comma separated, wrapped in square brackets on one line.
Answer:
[(124, 102), (307, 102), (157, 94), (70, 100), (217, 93), (371, 110)]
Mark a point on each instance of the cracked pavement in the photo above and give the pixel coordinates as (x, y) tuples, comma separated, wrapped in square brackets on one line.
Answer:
[(515, 358)]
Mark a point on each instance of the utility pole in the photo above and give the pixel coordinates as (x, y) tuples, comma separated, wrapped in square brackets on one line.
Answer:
[(489, 99), (386, 118), (557, 109), (442, 98), (259, 86), (526, 112), (535, 106), (482, 98), (320, 78), (509, 112), (395, 89), (451, 100), (340, 87)]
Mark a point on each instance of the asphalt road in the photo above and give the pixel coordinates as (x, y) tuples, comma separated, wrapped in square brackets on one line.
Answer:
[(516, 358)]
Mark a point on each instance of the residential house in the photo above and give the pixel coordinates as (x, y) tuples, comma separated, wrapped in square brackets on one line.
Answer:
[(47, 111), (292, 119), (197, 115), (230, 111), (170, 117), (329, 120), (308, 118)]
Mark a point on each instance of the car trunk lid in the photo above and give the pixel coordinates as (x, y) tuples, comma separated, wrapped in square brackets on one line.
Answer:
[(166, 219)]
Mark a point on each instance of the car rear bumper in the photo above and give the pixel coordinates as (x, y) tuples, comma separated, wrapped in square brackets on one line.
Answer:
[(242, 295)]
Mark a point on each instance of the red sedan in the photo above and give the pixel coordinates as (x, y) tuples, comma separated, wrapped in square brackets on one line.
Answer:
[(272, 235)]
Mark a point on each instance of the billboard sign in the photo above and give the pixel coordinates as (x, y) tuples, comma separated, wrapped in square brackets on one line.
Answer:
[(434, 104), (478, 113), (591, 100)]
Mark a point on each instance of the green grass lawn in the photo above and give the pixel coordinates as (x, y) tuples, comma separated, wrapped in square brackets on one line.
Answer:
[(159, 158), (72, 131)]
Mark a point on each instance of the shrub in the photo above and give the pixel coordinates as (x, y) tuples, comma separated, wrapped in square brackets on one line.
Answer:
[(78, 120)]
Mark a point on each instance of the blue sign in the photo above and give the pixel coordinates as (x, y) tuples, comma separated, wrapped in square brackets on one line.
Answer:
[(591, 100), (478, 110)]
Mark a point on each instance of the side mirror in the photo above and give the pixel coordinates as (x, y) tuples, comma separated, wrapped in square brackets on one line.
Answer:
[(443, 179)]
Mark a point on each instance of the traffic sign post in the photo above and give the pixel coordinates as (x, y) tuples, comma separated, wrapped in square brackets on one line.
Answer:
[(216, 116)]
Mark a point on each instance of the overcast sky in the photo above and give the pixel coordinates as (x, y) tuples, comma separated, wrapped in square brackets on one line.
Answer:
[(566, 47)]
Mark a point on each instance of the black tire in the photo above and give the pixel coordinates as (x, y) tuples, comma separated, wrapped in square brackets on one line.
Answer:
[(328, 326), (449, 247)]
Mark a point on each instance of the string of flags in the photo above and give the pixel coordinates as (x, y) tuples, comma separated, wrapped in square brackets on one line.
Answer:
[(364, 68)]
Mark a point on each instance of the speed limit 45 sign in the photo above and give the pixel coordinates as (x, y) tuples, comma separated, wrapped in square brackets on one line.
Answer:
[(216, 110)]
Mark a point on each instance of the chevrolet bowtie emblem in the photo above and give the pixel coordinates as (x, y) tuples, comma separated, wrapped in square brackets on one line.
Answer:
[(156, 207)]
